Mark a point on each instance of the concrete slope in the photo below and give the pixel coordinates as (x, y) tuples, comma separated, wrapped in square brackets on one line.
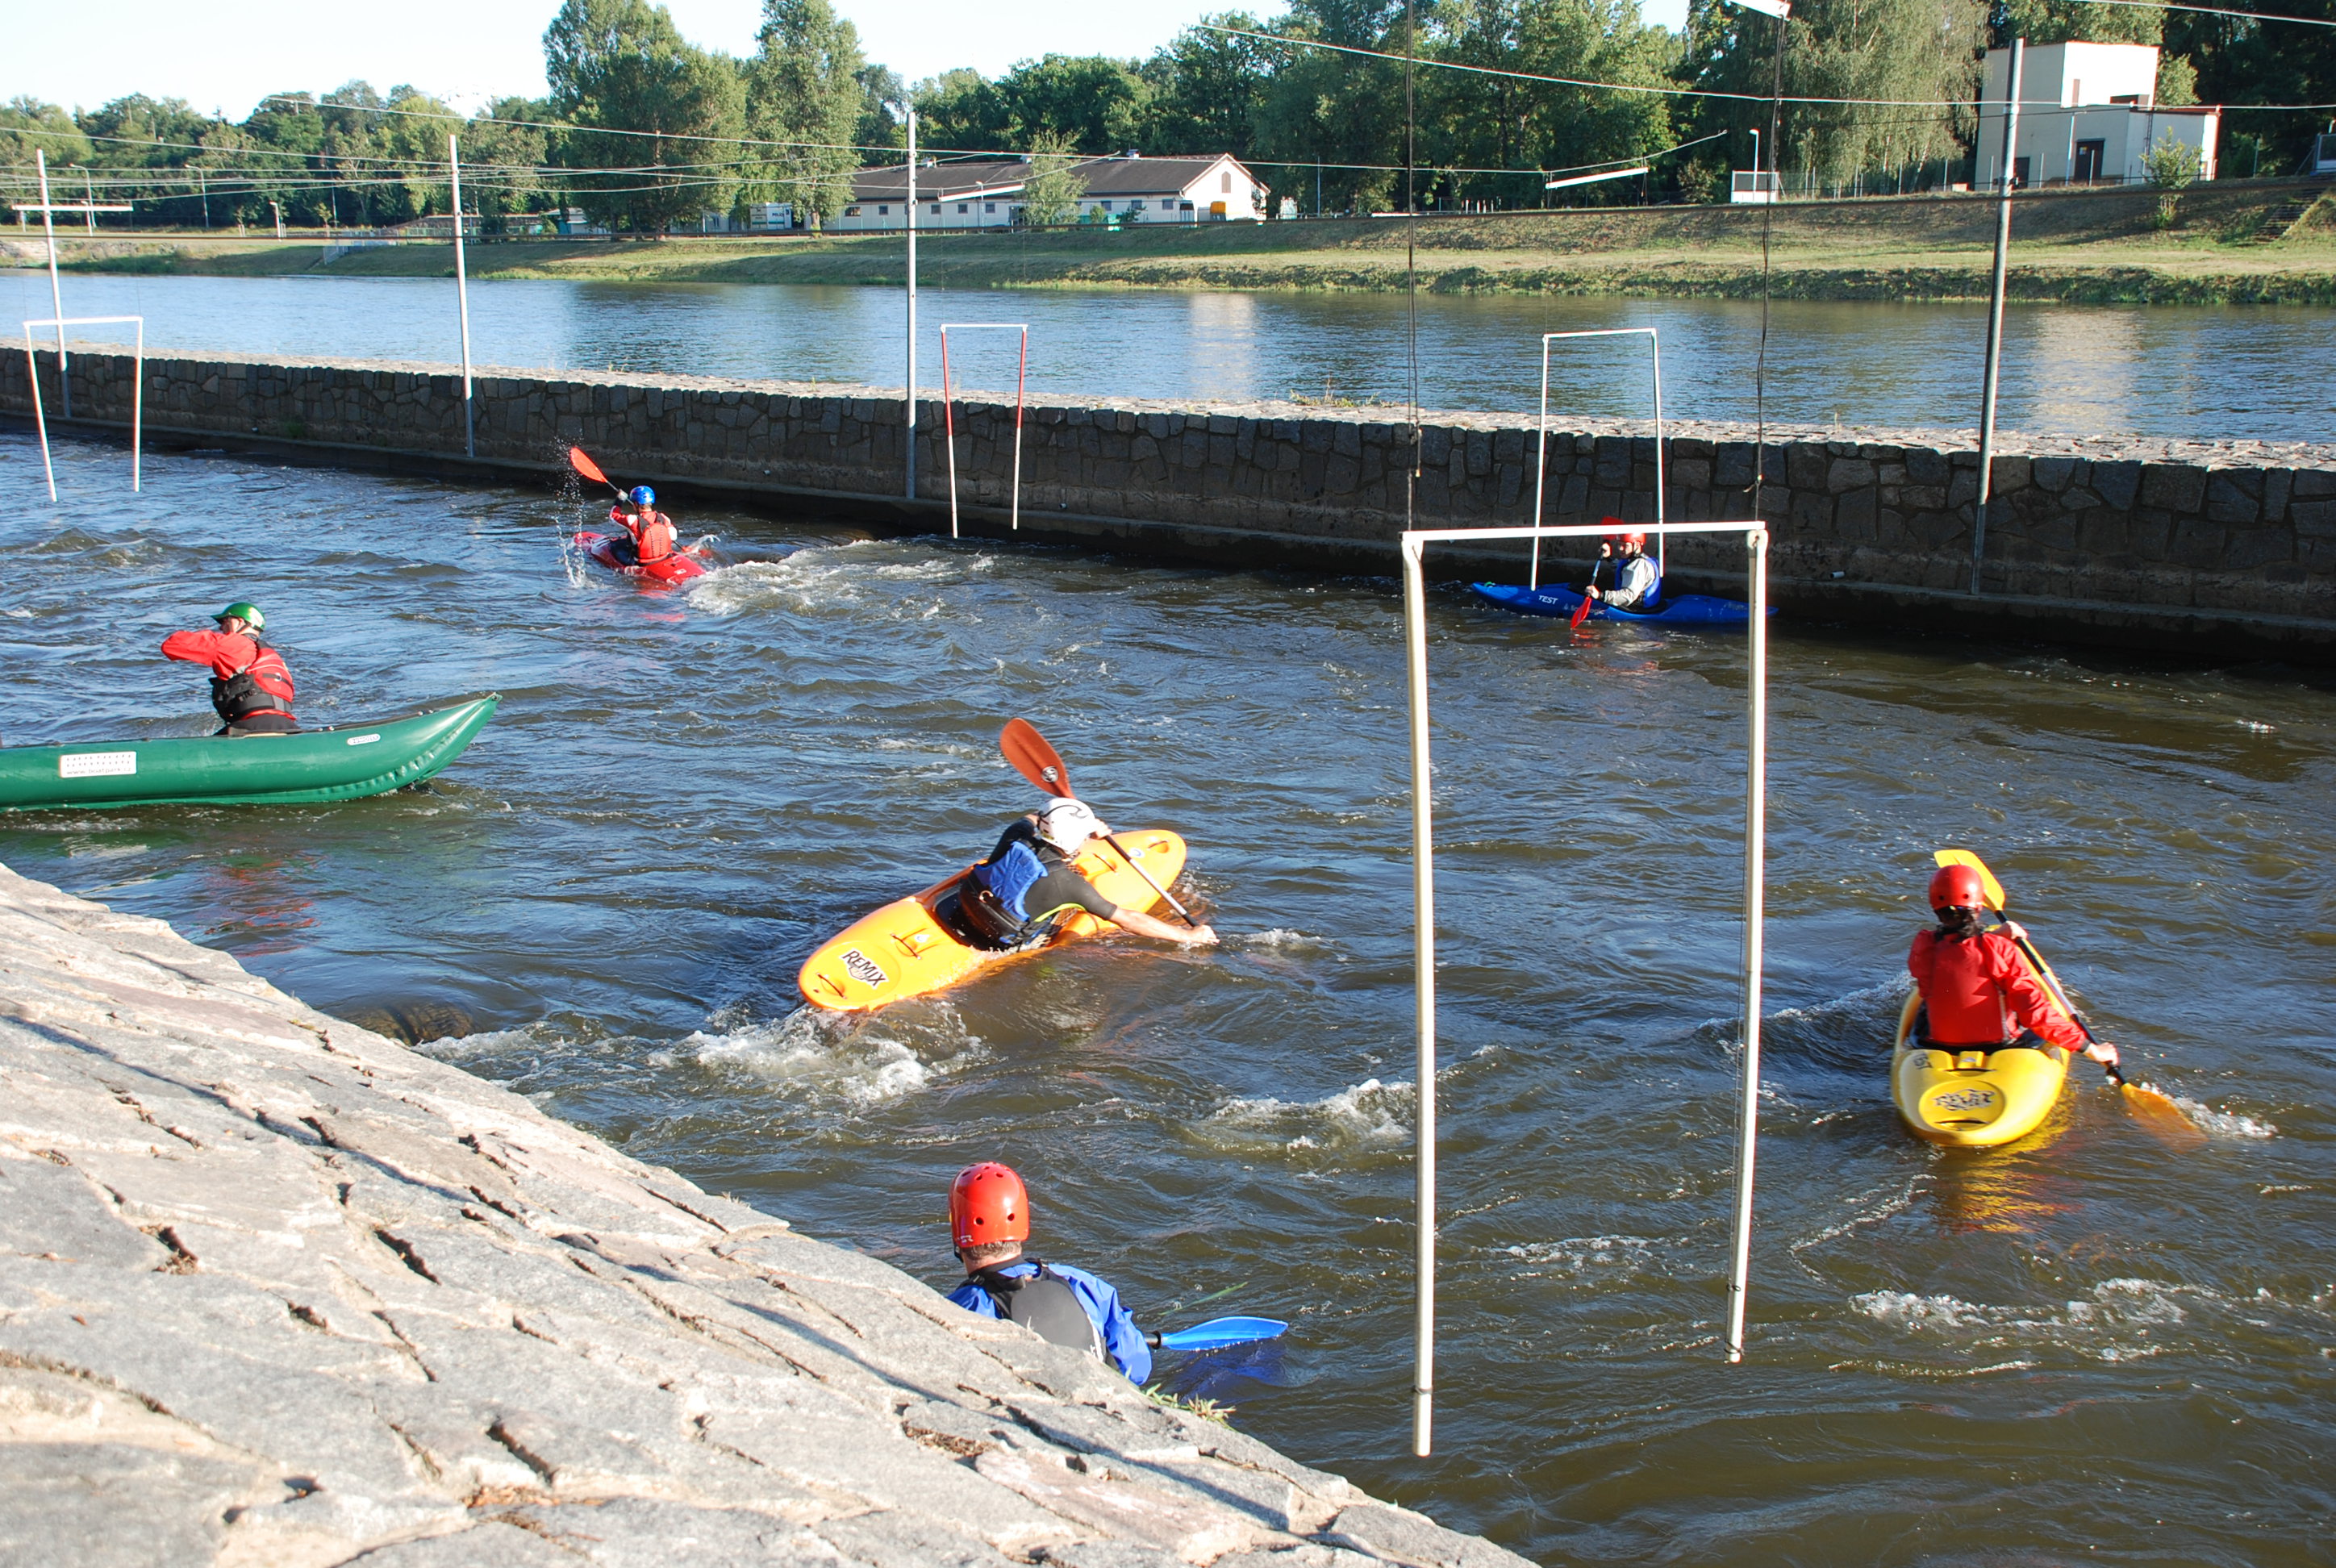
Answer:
[(274, 1290)]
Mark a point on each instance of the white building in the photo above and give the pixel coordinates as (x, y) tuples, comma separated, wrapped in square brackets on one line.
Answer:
[(2087, 114), (987, 192)]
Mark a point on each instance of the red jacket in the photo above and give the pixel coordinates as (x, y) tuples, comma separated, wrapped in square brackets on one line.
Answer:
[(1977, 988), (231, 654)]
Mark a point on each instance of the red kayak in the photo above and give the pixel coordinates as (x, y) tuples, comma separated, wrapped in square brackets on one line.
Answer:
[(679, 567)]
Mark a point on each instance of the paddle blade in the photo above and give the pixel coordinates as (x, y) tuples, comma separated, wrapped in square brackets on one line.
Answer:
[(1581, 613), (586, 466), (1988, 885), (2161, 1118), (1218, 1332), (1028, 753)]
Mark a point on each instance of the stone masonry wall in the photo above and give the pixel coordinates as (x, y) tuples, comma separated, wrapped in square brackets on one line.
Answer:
[(276, 1291), (2137, 541)]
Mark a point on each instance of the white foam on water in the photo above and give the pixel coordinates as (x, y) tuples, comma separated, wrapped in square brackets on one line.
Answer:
[(2115, 1323), (1370, 1111), (1279, 937), (824, 576), (2217, 1123), (1578, 1255), (829, 1056), (2258, 727)]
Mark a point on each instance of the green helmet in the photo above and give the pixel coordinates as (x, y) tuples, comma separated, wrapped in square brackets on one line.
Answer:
[(247, 613)]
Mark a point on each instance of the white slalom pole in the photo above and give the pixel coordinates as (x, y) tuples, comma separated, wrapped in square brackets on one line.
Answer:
[(56, 294), (1755, 808), (461, 297), (909, 212), (1540, 465), (1423, 891), (1662, 536)]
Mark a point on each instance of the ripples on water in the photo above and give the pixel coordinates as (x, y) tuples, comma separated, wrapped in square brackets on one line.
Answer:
[(2088, 1341)]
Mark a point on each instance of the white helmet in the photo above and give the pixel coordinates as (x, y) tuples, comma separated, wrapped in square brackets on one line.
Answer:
[(1067, 824)]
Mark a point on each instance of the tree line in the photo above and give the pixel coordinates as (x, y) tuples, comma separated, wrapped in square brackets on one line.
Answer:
[(642, 129)]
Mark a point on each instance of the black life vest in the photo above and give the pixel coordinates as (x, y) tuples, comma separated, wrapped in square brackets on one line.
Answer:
[(239, 695), (1045, 1303)]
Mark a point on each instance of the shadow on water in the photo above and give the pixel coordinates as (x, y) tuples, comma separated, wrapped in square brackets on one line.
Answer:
[(2087, 1340)]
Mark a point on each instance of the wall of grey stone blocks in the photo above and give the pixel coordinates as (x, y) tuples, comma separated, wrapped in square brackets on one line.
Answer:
[(2119, 541)]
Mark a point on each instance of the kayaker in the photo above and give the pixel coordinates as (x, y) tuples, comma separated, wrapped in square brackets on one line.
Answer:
[(1636, 584), (1978, 991), (1015, 896), (989, 1220), (651, 531), (250, 686)]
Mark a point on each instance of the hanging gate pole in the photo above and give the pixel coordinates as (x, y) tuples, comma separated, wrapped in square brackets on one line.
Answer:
[(2012, 90), (909, 213), (1755, 818), (1423, 892), (949, 412), (56, 294), (461, 297)]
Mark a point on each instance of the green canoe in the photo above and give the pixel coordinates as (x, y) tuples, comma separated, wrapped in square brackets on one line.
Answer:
[(325, 765)]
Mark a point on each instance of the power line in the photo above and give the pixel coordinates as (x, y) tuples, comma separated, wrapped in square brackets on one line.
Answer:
[(2218, 11)]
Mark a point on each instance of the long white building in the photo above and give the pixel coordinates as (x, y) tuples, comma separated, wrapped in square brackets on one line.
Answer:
[(2087, 114), (987, 192)]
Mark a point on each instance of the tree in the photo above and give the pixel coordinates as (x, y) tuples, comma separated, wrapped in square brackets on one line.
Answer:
[(649, 113), (27, 125), (959, 109), (1093, 103), (803, 86), (880, 92), (1204, 91), (1051, 190)]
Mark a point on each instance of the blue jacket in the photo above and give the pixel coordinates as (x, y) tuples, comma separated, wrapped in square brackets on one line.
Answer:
[(1120, 1335)]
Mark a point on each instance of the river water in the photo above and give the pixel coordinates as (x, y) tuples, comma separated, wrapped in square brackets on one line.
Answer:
[(2089, 1347), (2253, 372)]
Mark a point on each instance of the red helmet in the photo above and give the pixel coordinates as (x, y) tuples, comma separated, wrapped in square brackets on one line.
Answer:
[(1638, 538), (988, 1204), (1957, 888)]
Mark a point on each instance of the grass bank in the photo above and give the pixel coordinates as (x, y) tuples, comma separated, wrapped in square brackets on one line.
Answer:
[(2228, 245)]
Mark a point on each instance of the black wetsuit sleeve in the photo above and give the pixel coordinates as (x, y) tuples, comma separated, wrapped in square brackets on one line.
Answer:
[(1018, 831), (1062, 885)]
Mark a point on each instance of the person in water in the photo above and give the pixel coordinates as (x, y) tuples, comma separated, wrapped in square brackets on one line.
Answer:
[(250, 686), (989, 1220), (1029, 882), (1978, 991), (650, 531), (1636, 584)]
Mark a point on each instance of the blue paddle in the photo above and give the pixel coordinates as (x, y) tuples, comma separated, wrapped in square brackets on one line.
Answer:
[(1218, 1332)]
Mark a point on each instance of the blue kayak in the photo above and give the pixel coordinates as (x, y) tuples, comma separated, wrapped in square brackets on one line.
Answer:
[(1687, 610)]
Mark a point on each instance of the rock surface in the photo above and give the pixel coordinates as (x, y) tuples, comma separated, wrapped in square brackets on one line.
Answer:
[(274, 1290)]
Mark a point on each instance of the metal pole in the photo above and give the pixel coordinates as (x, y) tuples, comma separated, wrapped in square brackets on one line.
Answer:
[(2012, 90), (949, 431), (1756, 811), (56, 294), (1021, 380), (911, 211), (461, 296), (1662, 539), (1540, 465), (1423, 892), (40, 416), (138, 414), (89, 200)]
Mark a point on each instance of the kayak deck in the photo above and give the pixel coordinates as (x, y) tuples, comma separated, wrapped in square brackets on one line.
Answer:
[(679, 567), (1687, 610), (1972, 1099), (345, 762), (904, 950)]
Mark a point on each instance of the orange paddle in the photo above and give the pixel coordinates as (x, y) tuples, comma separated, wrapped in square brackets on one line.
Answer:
[(1027, 751)]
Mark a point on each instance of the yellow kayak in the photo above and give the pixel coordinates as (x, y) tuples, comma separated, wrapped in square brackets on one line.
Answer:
[(903, 951), (1972, 1099)]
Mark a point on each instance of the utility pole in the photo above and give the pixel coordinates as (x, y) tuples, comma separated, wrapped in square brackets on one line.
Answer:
[(2012, 90)]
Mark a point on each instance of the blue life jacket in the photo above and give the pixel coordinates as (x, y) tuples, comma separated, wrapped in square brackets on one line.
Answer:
[(1011, 876)]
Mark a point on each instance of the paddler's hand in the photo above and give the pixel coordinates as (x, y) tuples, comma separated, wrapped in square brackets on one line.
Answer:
[(2103, 1052), (1198, 937)]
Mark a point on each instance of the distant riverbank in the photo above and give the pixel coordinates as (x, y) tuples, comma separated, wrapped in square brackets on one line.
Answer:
[(2251, 242)]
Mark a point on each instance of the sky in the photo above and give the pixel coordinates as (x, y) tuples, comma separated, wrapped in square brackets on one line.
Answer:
[(226, 55)]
